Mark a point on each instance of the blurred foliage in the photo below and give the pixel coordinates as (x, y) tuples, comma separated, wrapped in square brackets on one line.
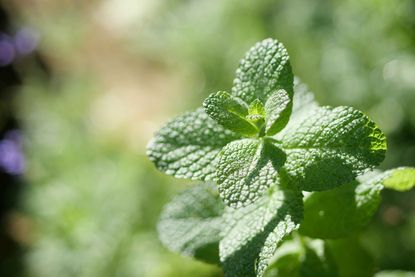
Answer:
[(119, 68), (94, 203)]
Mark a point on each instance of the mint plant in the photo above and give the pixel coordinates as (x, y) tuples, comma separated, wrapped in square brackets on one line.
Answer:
[(278, 168)]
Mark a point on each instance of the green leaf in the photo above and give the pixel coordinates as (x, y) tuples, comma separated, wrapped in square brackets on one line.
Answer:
[(351, 258), (302, 257), (278, 110), (344, 210), (188, 146), (256, 113), (246, 169), (304, 102), (263, 70), (400, 179), (286, 261), (330, 147), (256, 108), (341, 211), (318, 261), (230, 112), (191, 223), (252, 234)]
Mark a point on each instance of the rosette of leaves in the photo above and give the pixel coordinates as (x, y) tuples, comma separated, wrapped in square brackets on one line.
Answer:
[(262, 144)]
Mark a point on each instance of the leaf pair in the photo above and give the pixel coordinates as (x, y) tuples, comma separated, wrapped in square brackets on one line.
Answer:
[(197, 224), (250, 120)]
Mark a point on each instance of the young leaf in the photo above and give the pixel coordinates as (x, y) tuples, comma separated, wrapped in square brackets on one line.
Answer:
[(252, 234), (256, 113), (230, 112), (187, 146), (330, 147), (191, 223), (278, 110), (264, 70), (246, 169), (256, 107), (341, 211)]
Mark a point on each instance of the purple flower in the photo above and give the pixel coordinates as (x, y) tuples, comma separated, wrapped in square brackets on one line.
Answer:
[(7, 52), (11, 154)]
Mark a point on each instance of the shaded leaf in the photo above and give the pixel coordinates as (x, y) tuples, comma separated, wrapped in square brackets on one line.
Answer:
[(252, 234), (191, 223), (351, 258), (341, 211)]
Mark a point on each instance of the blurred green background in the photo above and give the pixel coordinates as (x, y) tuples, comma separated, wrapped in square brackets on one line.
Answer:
[(101, 76)]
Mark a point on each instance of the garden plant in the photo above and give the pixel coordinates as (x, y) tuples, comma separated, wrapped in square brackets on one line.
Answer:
[(287, 184)]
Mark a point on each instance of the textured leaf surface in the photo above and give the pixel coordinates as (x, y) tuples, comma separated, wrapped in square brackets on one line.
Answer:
[(191, 223), (246, 169), (230, 112), (330, 147), (187, 146), (341, 211), (252, 234), (264, 70), (278, 110)]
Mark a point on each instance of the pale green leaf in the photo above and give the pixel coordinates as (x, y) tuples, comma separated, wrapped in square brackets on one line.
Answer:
[(188, 146), (256, 113), (330, 147), (278, 110), (263, 70), (191, 223), (246, 169), (400, 179), (256, 108), (230, 112), (341, 211), (252, 234)]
